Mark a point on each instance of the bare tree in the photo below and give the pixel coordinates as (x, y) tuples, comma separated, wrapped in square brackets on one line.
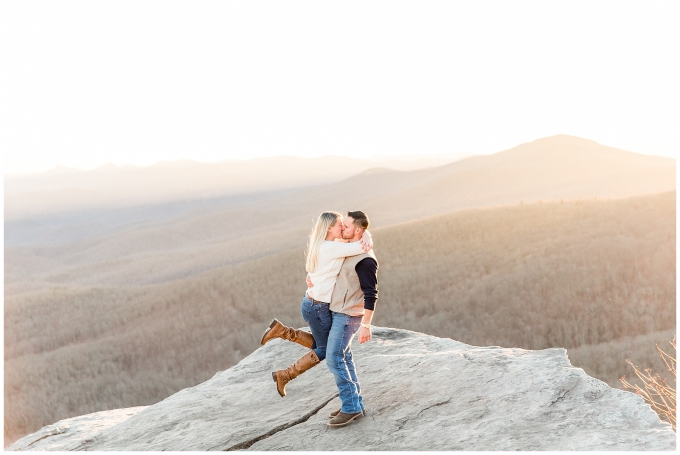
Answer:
[(657, 392)]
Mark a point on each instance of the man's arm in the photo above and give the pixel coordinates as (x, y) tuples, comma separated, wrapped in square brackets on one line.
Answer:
[(367, 271)]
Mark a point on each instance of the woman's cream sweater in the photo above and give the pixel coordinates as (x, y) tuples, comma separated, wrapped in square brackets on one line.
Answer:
[(331, 255)]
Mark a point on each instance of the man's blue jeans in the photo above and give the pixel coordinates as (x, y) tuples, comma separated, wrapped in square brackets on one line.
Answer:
[(340, 361), (333, 333)]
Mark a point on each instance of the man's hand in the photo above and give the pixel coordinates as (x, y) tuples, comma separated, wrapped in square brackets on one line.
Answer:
[(309, 282), (364, 335)]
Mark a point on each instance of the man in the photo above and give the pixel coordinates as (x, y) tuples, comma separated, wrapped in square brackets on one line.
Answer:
[(352, 306)]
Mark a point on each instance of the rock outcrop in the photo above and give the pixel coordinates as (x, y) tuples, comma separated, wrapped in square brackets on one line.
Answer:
[(421, 393)]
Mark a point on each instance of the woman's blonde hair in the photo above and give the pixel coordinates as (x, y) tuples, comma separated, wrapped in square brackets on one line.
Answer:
[(317, 237)]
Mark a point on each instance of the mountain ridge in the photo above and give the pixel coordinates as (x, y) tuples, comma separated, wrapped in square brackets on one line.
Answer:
[(280, 172)]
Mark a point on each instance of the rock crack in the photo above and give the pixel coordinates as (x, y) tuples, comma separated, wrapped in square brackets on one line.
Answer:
[(408, 419), (246, 444), (56, 432)]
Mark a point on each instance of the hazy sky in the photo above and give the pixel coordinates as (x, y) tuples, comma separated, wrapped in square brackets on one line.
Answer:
[(85, 83)]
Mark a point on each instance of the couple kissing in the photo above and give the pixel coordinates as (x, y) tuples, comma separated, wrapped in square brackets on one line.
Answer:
[(342, 280)]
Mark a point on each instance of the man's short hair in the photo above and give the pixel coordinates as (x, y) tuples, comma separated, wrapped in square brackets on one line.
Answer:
[(360, 219)]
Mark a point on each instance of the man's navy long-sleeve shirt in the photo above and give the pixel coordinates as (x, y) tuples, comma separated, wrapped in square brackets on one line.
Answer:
[(367, 271)]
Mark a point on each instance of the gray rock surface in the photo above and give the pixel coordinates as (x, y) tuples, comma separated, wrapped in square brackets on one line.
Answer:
[(421, 393), (69, 434)]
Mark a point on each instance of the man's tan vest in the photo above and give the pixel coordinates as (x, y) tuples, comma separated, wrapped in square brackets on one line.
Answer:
[(348, 298)]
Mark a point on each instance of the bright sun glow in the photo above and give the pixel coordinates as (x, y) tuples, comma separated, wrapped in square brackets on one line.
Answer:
[(128, 82)]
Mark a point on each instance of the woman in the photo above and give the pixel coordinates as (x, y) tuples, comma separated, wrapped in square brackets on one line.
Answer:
[(324, 260)]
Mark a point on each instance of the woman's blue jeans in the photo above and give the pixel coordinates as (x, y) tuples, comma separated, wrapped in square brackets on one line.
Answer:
[(319, 318), (333, 333)]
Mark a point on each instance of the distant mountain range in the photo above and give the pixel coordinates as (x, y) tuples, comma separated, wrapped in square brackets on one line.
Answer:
[(556, 167), (553, 167), (108, 187), (209, 233)]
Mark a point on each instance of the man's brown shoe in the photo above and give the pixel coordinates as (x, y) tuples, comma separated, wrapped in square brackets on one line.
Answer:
[(278, 330), (334, 413), (343, 419), (283, 377)]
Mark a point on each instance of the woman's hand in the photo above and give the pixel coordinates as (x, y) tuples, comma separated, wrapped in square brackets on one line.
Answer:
[(366, 242), (309, 282)]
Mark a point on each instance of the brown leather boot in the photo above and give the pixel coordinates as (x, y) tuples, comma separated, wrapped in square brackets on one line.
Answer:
[(343, 419), (283, 377), (334, 413), (278, 330)]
